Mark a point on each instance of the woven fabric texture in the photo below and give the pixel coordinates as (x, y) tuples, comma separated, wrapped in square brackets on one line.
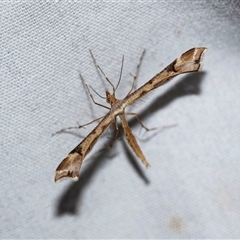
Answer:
[(191, 190)]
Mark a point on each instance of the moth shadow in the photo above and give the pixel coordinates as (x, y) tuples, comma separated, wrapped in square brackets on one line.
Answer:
[(69, 201), (188, 85), (134, 162)]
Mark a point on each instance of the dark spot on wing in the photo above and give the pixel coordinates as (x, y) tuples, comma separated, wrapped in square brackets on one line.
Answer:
[(90, 147), (143, 93), (170, 67), (77, 149)]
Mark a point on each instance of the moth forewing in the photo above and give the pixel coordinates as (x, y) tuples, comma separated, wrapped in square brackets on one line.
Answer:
[(70, 166)]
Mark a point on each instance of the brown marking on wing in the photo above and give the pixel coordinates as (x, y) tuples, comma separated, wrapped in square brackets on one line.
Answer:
[(69, 167), (189, 61)]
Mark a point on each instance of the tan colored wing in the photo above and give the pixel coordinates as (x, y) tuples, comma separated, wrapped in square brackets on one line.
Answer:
[(189, 61), (132, 141)]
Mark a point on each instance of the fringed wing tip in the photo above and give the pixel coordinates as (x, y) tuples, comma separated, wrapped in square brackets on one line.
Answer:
[(61, 175), (147, 165), (190, 61), (202, 52), (69, 167)]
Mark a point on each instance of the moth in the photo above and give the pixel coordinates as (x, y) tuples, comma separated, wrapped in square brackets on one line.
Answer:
[(190, 61)]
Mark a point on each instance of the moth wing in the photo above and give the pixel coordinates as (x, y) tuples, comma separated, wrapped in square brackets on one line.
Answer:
[(132, 141)]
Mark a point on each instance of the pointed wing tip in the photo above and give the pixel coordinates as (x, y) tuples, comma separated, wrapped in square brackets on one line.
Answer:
[(69, 167), (200, 52), (61, 175), (190, 61), (201, 48)]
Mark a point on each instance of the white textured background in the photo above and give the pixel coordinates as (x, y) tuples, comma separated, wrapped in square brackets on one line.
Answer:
[(191, 190)]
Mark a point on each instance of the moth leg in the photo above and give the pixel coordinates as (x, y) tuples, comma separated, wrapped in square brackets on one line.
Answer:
[(99, 68), (91, 96), (137, 72), (78, 127), (140, 122)]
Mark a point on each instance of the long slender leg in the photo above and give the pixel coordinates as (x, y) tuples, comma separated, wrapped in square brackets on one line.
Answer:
[(97, 92), (79, 126), (99, 104), (137, 72), (120, 76), (141, 123), (96, 64)]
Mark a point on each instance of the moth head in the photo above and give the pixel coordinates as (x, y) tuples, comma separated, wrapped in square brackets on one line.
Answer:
[(110, 98)]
